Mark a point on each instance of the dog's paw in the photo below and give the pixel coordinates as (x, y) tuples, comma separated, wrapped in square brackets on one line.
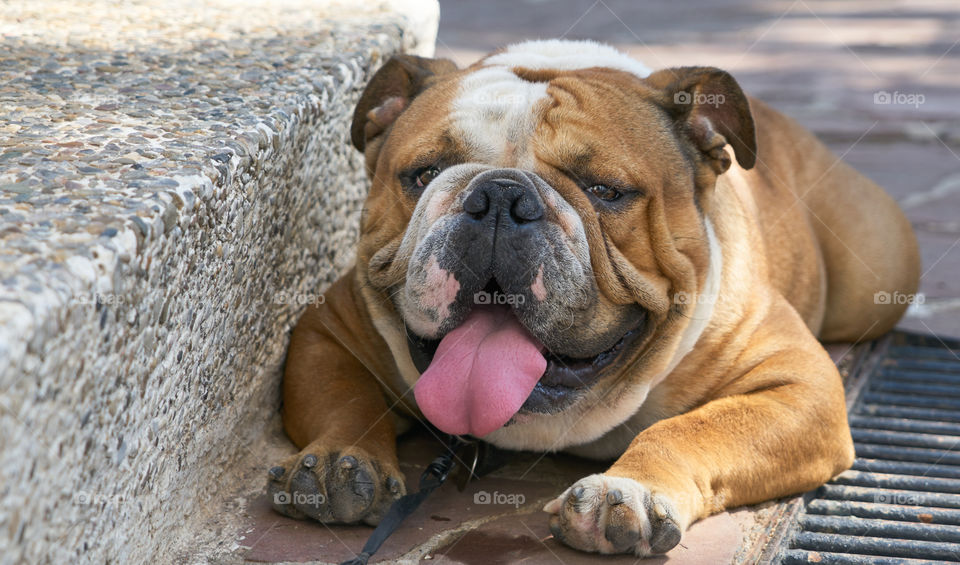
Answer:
[(334, 486), (614, 515)]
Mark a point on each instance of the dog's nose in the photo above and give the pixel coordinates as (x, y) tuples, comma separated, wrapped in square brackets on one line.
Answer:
[(517, 202)]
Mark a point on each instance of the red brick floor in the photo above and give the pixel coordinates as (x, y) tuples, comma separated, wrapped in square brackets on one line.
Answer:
[(821, 62)]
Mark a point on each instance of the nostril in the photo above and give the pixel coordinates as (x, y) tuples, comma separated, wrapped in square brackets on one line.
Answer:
[(526, 209), (477, 204)]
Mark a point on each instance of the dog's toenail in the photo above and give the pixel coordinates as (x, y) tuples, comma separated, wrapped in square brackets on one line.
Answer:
[(614, 497), (276, 473), (310, 461), (393, 485), (556, 530), (348, 462), (660, 511)]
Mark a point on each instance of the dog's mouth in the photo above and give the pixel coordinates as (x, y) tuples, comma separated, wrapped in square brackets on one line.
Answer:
[(481, 374)]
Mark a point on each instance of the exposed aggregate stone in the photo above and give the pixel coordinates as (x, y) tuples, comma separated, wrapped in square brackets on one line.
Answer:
[(172, 176)]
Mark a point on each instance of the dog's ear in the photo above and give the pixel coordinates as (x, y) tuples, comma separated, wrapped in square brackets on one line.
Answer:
[(712, 111), (390, 91)]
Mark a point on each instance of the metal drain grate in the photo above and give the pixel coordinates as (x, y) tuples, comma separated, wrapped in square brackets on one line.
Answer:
[(900, 503)]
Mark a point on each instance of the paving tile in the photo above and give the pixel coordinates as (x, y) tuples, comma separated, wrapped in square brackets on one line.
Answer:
[(904, 169), (527, 539), (275, 538), (939, 314), (527, 482)]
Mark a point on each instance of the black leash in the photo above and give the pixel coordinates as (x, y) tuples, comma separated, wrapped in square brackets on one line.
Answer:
[(483, 459)]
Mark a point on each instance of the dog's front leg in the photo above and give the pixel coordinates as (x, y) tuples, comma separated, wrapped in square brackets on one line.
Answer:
[(335, 412), (778, 429)]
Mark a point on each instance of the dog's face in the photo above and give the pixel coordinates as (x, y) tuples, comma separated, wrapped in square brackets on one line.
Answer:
[(531, 222)]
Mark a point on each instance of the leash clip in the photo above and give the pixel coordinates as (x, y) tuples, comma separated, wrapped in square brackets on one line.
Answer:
[(437, 471)]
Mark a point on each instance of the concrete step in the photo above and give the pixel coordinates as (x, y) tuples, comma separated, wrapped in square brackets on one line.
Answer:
[(176, 183)]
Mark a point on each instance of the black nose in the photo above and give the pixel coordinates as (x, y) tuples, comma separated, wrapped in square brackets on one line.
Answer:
[(516, 202)]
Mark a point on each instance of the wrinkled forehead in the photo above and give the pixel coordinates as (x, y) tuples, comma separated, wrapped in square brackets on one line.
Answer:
[(496, 105)]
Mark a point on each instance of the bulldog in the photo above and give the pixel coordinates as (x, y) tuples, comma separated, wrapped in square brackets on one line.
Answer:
[(563, 251)]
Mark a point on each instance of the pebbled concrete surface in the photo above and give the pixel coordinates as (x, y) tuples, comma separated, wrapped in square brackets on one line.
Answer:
[(176, 182)]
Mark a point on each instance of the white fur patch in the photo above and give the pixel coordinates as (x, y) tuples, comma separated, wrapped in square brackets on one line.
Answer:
[(494, 115), (566, 55), (495, 110)]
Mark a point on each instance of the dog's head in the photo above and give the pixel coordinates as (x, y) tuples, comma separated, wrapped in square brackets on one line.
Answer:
[(535, 240)]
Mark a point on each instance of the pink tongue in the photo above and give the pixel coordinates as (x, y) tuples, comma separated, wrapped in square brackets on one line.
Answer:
[(482, 373)]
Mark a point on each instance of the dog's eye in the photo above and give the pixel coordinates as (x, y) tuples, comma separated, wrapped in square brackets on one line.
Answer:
[(424, 176), (604, 192)]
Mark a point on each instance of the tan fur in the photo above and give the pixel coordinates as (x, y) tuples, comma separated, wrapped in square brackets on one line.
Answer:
[(756, 410)]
